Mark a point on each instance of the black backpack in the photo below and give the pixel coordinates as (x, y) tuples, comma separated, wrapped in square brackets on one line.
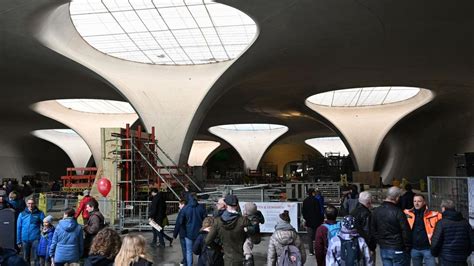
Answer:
[(350, 252)]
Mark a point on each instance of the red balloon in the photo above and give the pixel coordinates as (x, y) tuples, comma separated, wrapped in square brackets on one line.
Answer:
[(104, 186)]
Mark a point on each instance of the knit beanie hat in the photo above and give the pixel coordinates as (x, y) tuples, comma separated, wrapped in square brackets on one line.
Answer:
[(348, 224), (285, 216), (48, 219)]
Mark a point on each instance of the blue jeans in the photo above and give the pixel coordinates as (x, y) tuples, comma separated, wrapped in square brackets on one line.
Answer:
[(29, 251), (189, 251), (392, 257), (183, 249), (417, 257)]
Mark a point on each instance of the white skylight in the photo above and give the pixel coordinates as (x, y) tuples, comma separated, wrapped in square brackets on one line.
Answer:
[(369, 96), (64, 131), (97, 106), (327, 145), (250, 127), (171, 32)]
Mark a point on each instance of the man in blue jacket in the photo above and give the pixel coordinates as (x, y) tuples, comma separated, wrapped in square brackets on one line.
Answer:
[(28, 230), (191, 217)]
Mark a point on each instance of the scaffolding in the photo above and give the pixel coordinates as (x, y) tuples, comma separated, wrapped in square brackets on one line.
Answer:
[(141, 164)]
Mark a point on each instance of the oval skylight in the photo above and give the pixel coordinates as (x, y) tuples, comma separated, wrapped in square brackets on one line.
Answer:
[(250, 127), (328, 145), (170, 32), (359, 97), (97, 106)]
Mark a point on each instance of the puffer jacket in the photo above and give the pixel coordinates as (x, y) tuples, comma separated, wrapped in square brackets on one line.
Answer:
[(68, 242), (452, 238), (45, 242), (191, 217), (98, 260), (28, 225), (390, 227), (284, 235), (333, 256), (82, 207), (229, 230)]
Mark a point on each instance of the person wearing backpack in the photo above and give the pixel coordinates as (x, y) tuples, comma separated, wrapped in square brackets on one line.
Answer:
[(348, 248), (324, 233), (209, 255), (255, 218), (286, 247)]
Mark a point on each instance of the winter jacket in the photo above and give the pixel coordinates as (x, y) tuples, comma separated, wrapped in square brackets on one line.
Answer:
[(229, 230), (9, 257), (98, 260), (284, 235), (82, 207), (390, 228), (28, 225), (68, 241), (95, 223), (179, 230), (333, 256), (142, 262), (190, 217), (452, 238), (362, 217), (430, 219), (158, 209), (45, 242), (209, 255), (312, 212), (321, 243)]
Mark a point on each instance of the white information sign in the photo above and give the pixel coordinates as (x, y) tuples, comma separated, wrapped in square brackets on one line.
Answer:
[(271, 210)]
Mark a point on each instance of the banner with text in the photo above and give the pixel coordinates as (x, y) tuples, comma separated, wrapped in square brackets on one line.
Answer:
[(271, 210)]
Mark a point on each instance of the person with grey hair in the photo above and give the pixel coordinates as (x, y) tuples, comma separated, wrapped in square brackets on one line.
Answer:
[(362, 215), (452, 238), (390, 229)]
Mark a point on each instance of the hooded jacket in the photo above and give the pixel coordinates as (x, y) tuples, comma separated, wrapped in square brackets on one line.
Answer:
[(45, 242), (229, 230), (333, 256), (28, 225), (68, 241), (452, 238), (98, 260), (284, 235), (190, 217)]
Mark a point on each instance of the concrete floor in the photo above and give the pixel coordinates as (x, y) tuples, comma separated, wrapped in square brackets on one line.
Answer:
[(171, 256)]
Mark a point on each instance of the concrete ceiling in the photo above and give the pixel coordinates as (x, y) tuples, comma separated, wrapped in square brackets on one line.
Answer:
[(304, 47)]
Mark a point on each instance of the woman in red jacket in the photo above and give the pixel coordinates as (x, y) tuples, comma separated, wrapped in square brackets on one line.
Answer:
[(82, 206)]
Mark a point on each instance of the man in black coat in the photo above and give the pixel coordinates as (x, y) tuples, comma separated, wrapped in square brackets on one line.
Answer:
[(390, 228), (312, 216), (362, 215), (157, 213), (406, 200), (452, 237)]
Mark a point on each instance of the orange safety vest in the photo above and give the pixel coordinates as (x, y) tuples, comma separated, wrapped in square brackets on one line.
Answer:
[(430, 218)]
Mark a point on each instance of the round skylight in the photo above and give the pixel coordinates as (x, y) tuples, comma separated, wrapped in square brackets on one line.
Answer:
[(369, 96), (250, 127), (97, 106), (328, 145), (170, 32), (62, 131)]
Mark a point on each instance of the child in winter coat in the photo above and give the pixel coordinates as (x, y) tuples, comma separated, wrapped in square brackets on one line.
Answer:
[(256, 218), (348, 248), (45, 241), (208, 255)]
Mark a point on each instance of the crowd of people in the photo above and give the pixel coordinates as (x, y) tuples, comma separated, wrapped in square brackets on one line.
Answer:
[(416, 235)]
